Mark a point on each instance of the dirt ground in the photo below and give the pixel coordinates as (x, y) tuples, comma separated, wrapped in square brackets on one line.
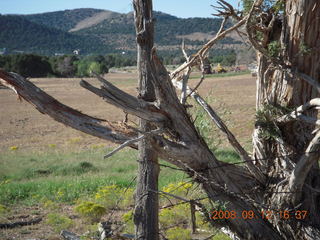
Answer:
[(23, 126)]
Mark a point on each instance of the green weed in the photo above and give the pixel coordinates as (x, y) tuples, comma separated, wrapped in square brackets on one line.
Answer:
[(178, 233), (58, 222), (90, 210)]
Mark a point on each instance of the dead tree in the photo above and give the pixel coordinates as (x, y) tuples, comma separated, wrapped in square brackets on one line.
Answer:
[(279, 184), (146, 202)]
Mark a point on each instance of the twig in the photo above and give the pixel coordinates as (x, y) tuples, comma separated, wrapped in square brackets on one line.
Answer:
[(131, 141), (201, 79)]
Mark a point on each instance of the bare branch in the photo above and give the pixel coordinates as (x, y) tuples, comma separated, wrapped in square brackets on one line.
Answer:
[(126, 102), (183, 48), (298, 113), (300, 173), (231, 138), (224, 21), (131, 141), (227, 10), (206, 48), (46, 104), (185, 76), (201, 79)]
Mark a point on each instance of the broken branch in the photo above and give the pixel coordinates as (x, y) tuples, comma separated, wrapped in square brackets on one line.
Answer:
[(126, 102), (46, 104)]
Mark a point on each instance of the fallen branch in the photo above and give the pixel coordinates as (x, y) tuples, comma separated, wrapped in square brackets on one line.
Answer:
[(20, 223), (69, 235)]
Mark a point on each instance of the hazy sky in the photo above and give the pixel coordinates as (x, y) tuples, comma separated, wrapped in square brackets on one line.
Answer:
[(180, 8)]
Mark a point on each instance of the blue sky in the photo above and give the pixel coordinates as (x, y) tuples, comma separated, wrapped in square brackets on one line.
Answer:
[(180, 8)]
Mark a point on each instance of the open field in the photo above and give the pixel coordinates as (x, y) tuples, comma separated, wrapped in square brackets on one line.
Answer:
[(22, 126), (47, 169)]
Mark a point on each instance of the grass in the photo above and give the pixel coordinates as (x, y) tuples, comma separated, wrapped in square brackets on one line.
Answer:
[(28, 177)]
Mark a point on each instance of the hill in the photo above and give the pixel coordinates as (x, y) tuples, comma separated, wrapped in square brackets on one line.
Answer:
[(63, 20), (100, 31), (17, 34)]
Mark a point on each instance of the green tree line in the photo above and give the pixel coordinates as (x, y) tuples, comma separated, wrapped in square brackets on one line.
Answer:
[(30, 65)]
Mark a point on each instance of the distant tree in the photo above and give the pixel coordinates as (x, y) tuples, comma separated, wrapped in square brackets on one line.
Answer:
[(27, 65), (65, 66)]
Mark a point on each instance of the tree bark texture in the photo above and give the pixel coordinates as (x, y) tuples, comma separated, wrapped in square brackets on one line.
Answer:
[(283, 156), (146, 201)]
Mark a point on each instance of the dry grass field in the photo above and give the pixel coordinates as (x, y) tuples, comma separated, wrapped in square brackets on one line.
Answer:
[(23, 126)]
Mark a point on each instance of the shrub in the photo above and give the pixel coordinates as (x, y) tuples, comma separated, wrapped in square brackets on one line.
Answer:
[(109, 196), (90, 210)]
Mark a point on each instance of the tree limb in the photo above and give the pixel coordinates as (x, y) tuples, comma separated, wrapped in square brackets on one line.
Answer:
[(300, 173), (231, 138), (131, 141), (206, 47), (298, 113), (46, 104), (126, 102)]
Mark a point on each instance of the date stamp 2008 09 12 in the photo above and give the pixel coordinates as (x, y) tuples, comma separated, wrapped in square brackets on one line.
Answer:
[(264, 214)]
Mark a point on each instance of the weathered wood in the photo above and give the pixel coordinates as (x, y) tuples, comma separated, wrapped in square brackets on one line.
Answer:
[(193, 217), (138, 107), (146, 203), (46, 104), (20, 223), (290, 78), (69, 235)]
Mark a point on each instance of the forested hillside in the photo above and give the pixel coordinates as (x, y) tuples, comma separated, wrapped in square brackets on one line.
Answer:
[(18, 34), (96, 31)]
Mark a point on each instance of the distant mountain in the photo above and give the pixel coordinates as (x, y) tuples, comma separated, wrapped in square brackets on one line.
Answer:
[(100, 31), (63, 20), (17, 34)]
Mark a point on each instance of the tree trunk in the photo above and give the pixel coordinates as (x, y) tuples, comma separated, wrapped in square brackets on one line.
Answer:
[(281, 146), (146, 201)]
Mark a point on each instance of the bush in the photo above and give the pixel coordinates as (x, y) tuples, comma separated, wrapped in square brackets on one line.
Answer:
[(90, 210), (114, 196)]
